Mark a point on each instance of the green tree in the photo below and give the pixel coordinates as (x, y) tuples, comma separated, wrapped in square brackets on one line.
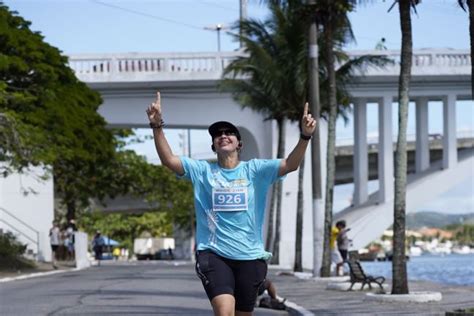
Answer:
[(399, 266), (336, 70), (170, 201), (284, 56), (333, 17), (51, 114), (124, 228)]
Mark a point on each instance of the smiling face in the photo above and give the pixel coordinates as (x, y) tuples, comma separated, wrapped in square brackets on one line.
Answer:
[(225, 141)]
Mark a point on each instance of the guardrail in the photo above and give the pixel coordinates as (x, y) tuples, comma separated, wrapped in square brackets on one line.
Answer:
[(21, 232), (107, 64), (150, 62), (349, 141)]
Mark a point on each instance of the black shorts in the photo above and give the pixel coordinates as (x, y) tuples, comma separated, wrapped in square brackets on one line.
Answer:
[(54, 247), (240, 278), (343, 254)]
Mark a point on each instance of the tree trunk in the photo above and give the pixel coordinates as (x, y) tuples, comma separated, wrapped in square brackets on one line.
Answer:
[(399, 267), (279, 188), (269, 244), (313, 94), (471, 35), (331, 147), (271, 221), (71, 210), (299, 221)]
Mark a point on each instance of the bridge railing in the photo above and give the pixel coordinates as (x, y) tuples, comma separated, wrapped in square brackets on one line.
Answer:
[(373, 140), (150, 63), (442, 60), (425, 57)]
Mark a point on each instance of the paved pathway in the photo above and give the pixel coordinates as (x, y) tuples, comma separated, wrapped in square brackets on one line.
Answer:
[(140, 288), (159, 288)]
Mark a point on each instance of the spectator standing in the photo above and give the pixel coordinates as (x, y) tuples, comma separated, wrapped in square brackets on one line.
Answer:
[(54, 237), (343, 241), (336, 257), (70, 230), (381, 44), (97, 246)]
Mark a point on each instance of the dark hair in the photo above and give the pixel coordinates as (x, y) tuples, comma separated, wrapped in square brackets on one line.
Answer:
[(341, 223)]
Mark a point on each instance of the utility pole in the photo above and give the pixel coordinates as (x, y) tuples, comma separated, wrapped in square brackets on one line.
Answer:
[(243, 16), (318, 205)]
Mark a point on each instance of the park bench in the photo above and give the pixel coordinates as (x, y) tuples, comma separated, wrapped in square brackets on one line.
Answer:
[(358, 276)]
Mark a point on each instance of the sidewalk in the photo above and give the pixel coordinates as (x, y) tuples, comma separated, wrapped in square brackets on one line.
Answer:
[(311, 294)]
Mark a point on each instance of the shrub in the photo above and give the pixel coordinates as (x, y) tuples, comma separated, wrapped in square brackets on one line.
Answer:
[(11, 251)]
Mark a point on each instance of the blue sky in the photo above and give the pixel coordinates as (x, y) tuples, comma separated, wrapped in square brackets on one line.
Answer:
[(113, 26)]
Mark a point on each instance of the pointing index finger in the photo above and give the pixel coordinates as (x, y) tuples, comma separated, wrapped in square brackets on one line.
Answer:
[(305, 111)]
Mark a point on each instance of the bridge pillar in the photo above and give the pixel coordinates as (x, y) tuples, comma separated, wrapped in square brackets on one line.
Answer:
[(449, 131), (361, 162), (422, 160), (385, 156)]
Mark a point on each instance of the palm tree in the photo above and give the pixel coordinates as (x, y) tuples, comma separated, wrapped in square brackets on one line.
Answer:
[(274, 54), (468, 4), (271, 79), (399, 267), (336, 33), (333, 17)]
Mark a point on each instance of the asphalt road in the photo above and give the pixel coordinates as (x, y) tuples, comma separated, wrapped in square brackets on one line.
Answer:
[(115, 288)]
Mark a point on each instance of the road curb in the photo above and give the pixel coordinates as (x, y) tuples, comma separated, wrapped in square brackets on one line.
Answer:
[(412, 297), (36, 275), (296, 310)]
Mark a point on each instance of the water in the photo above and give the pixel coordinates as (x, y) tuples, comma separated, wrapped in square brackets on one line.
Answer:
[(448, 269)]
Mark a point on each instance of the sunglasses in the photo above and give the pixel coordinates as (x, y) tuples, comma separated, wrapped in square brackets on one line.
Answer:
[(225, 132)]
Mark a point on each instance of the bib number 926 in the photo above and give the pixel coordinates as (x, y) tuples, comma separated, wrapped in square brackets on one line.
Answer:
[(230, 199)]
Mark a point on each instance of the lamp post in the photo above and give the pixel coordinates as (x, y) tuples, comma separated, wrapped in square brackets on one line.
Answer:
[(218, 27)]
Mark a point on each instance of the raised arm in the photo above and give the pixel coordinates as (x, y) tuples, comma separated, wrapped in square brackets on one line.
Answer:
[(167, 157), (292, 162)]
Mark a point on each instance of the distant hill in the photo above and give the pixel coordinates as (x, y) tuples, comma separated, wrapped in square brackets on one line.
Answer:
[(436, 220)]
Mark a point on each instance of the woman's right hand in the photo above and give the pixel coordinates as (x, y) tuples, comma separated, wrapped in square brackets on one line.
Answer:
[(154, 110)]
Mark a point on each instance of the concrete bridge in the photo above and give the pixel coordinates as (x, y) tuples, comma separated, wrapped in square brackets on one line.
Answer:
[(188, 82)]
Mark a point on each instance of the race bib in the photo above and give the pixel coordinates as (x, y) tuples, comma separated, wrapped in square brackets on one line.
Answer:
[(230, 199)]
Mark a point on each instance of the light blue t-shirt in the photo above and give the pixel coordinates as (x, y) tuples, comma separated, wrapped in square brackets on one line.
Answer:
[(230, 205)]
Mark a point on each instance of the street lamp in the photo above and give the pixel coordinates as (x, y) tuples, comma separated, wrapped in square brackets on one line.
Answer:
[(218, 27)]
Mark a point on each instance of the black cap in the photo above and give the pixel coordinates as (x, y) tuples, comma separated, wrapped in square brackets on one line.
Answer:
[(217, 127)]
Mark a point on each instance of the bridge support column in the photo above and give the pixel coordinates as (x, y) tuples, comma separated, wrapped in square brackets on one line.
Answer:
[(422, 160), (450, 156), (385, 156), (360, 152)]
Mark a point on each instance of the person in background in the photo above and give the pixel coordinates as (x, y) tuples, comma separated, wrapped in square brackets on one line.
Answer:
[(381, 44), (54, 240), (343, 240), (170, 253), (70, 230), (97, 246), (116, 253), (275, 301), (336, 257), (229, 199)]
